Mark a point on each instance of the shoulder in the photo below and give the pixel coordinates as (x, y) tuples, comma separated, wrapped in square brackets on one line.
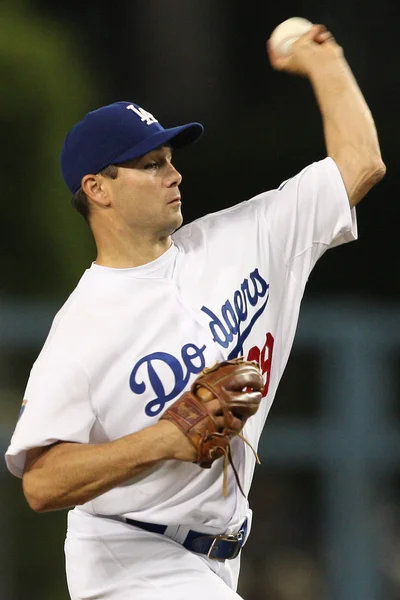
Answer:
[(319, 174), (316, 174), (73, 318), (223, 222)]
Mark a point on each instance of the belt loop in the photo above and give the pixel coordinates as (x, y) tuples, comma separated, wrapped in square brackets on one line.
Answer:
[(182, 533), (174, 533)]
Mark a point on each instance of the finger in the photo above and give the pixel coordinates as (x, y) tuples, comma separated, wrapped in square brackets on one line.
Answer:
[(324, 37), (312, 35), (315, 31), (235, 423), (204, 394), (277, 62), (214, 406)]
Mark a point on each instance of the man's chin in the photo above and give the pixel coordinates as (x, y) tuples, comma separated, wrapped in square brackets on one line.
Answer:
[(176, 223)]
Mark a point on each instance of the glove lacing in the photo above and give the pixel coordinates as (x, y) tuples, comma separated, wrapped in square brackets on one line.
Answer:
[(228, 460)]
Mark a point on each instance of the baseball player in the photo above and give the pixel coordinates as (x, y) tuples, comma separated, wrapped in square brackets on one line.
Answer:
[(121, 421)]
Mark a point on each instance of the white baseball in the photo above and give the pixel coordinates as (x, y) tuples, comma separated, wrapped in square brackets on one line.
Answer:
[(284, 35)]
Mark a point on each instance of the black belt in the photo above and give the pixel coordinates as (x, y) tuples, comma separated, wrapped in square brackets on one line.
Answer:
[(218, 547)]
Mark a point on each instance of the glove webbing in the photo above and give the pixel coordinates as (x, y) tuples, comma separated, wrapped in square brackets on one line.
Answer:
[(229, 461)]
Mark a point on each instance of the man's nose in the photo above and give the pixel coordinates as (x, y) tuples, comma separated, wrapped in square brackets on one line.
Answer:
[(173, 177)]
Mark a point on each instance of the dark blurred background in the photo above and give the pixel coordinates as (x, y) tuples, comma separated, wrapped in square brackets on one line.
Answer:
[(326, 498)]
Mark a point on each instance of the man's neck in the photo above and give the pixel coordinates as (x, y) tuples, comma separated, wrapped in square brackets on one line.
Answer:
[(125, 256)]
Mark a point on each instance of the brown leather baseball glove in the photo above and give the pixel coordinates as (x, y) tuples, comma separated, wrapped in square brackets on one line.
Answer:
[(237, 385)]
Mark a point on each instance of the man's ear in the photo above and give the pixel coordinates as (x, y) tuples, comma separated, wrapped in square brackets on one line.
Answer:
[(95, 190)]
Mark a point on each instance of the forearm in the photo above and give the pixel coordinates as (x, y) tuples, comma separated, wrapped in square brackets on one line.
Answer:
[(350, 134), (349, 129), (71, 474), (346, 117)]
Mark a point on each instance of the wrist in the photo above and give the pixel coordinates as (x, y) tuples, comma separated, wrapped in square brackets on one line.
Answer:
[(174, 444), (168, 439), (326, 67)]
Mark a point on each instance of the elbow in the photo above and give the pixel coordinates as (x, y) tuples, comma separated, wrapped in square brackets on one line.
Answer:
[(37, 504), (360, 173), (35, 494), (376, 171), (367, 175), (369, 169)]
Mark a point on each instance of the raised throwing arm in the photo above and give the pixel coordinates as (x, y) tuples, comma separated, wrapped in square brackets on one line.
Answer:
[(349, 129)]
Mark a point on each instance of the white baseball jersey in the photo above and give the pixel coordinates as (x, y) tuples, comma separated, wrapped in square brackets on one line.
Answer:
[(128, 342)]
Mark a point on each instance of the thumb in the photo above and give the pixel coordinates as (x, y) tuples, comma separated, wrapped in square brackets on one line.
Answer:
[(314, 33)]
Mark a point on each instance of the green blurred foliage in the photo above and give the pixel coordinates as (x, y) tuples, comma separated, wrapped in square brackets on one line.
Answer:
[(44, 245), (35, 543)]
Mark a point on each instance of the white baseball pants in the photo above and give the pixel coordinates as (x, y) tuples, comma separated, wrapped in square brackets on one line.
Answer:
[(111, 560)]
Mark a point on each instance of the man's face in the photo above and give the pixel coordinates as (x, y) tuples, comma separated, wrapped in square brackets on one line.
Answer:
[(145, 195)]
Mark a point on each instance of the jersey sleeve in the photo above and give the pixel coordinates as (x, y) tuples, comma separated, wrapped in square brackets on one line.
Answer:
[(305, 216), (56, 407), (309, 214)]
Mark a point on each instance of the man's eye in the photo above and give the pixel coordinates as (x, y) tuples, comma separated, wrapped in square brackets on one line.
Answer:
[(151, 165)]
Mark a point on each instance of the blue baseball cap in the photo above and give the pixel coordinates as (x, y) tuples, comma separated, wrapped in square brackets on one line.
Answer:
[(114, 134)]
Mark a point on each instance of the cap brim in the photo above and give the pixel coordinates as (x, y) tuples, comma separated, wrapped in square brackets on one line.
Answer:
[(177, 137)]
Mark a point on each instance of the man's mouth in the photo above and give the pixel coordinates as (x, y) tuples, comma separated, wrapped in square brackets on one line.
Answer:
[(175, 200)]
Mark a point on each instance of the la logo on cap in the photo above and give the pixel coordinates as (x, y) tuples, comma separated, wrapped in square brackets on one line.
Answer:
[(143, 114)]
